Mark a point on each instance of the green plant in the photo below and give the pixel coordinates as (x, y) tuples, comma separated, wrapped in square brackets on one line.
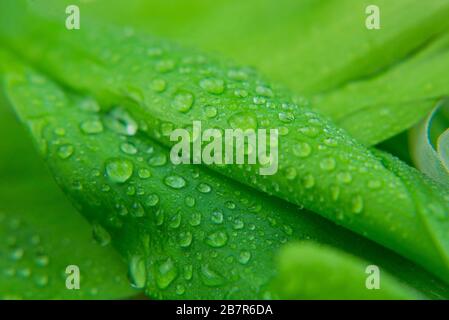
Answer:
[(117, 94)]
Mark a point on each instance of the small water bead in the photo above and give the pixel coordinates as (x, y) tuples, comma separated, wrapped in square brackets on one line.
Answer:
[(238, 224), (158, 85), (24, 272), (180, 289), (217, 217), (190, 201), (335, 192), (310, 132), (328, 164), (65, 151), (17, 254), (185, 239), (166, 273), (119, 121), (230, 205), (210, 277), (204, 188), (175, 181), (183, 101), (137, 210), (122, 210), (159, 217), (217, 239), (243, 120), (330, 142), (119, 170), (41, 280), (210, 111), (144, 173), (290, 173), (157, 160), (344, 177), (101, 235), (308, 181), (259, 100), (241, 93), (89, 104), (92, 127), (128, 148), (214, 86), (42, 260), (195, 219), (357, 204), (286, 117), (244, 257), (137, 272), (175, 221), (302, 150), (165, 65), (264, 91)]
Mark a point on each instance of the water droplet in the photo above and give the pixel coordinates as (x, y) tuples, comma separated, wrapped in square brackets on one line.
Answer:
[(302, 150), (217, 239), (175, 221), (217, 217), (119, 170), (204, 188), (119, 121), (210, 277), (17, 254), (330, 142), (357, 204), (188, 271), (328, 164), (144, 173), (175, 182), (230, 205), (158, 85), (243, 120), (41, 280), (185, 239), (239, 75), (244, 257), (286, 117), (195, 219), (100, 235), (290, 173), (344, 177), (157, 160), (166, 273), (42, 260), (152, 200), (137, 210), (308, 181), (214, 86), (180, 289), (182, 101), (238, 224), (264, 91), (92, 127), (335, 192), (211, 112), (189, 201), (65, 151), (128, 148), (311, 132), (136, 272)]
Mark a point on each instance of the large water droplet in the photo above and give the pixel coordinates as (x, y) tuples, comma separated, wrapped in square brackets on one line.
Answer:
[(165, 274), (136, 272), (182, 101), (100, 235), (302, 150), (65, 151), (175, 182), (328, 164), (119, 170), (119, 121), (185, 239), (244, 257), (209, 277), (217, 239), (157, 160)]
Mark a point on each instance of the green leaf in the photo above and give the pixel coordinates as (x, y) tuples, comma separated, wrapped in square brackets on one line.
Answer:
[(431, 155), (185, 232), (304, 267), (42, 234), (320, 166)]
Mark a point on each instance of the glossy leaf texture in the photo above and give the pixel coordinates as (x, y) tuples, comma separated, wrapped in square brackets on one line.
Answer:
[(320, 166), (42, 234), (185, 231)]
